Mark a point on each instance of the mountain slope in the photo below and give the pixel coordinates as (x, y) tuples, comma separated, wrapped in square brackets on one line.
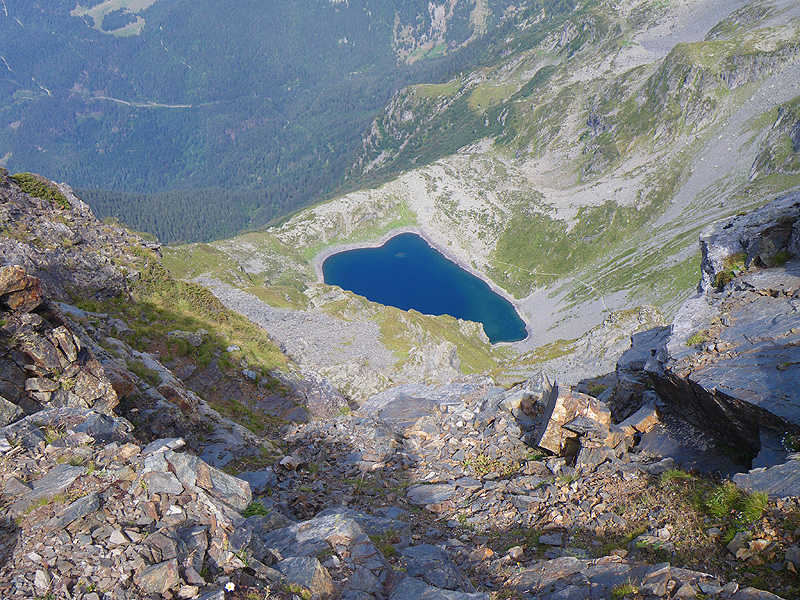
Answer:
[(165, 110), (589, 170)]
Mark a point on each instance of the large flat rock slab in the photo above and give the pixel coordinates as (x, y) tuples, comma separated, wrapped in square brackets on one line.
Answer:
[(411, 588), (779, 481)]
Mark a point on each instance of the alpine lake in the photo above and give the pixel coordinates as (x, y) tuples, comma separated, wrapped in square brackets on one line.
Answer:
[(406, 272)]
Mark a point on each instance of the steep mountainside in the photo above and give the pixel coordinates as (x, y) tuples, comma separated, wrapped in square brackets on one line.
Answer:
[(575, 174), (168, 109), (138, 460)]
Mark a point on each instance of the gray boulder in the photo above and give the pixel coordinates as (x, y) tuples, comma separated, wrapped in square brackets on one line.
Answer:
[(309, 573), (433, 565), (411, 588)]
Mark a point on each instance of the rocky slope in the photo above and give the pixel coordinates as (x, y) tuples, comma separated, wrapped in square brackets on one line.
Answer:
[(728, 363), (125, 473)]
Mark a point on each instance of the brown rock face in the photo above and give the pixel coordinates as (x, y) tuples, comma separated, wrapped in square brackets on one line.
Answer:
[(18, 290), (561, 407)]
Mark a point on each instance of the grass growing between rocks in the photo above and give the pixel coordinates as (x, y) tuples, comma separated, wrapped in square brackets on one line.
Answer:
[(385, 542), (39, 187), (159, 304), (255, 509), (624, 590)]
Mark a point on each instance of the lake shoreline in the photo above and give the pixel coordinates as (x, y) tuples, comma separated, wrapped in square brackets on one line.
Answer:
[(323, 255)]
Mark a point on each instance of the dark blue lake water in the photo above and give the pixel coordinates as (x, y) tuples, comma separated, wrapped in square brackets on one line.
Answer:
[(407, 273)]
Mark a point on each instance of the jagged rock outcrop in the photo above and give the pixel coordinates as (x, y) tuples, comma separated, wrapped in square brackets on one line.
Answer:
[(64, 246), (43, 364), (727, 368)]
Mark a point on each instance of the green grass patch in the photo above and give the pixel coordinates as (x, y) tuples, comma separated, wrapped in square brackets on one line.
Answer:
[(255, 509), (487, 95), (698, 338), (139, 369), (624, 590), (726, 501), (671, 475), (437, 90), (39, 187), (385, 542), (482, 465)]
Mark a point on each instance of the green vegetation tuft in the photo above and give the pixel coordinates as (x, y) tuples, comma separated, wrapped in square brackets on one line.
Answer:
[(255, 509), (728, 501), (624, 590), (385, 542), (732, 266), (671, 475), (39, 187), (437, 90), (151, 376), (697, 338), (483, 465)]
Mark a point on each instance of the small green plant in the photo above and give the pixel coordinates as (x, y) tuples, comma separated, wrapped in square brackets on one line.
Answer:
[(753, 506), (52, 434), (57, 499), (255, 509), (781, 258), (385, 542), (671, 475), (624, 589), (567, 479), (39, 187), (726, 501), (325, 554), (722, 279), (535, 455), (722, 500), (138, 368), (732, 266), (697, 338), (595, 389), (299, 590), (483, 465), (244, 556)]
